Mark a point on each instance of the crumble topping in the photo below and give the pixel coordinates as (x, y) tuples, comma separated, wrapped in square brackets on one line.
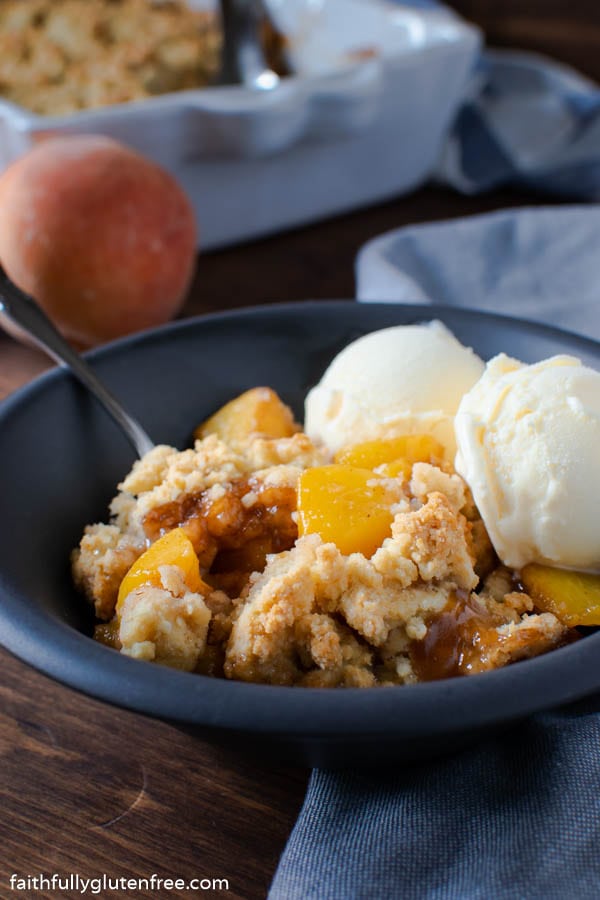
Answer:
[(101, 562), (275, 607), (166, 624), (61, 56)]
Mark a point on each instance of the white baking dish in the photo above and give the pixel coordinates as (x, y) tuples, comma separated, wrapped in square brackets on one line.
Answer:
[(341, 133)]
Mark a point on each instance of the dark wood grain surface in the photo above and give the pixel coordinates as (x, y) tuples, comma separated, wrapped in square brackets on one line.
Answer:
[(568, 30), (90, 789)]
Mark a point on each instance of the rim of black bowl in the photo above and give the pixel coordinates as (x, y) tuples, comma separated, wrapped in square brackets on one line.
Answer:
[(427, 709)]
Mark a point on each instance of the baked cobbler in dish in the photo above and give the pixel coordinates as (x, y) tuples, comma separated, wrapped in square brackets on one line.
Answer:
[(61, 56), (260, 555)]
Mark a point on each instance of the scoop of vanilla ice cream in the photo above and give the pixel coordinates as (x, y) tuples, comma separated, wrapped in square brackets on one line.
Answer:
[(529, 448), (396, 381)]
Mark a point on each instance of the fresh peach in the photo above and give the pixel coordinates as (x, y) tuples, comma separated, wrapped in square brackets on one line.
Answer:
[(104, 239)]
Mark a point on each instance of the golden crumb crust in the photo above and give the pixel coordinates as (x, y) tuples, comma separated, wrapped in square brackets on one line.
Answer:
[(166, 624), (279, 608), (61, 56), (101, 562)]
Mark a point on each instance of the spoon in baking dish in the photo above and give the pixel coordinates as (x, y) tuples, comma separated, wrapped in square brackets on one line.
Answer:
[(247, 27), (26, 314)]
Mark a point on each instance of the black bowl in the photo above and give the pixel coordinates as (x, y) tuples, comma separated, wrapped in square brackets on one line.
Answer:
[(62, 458)]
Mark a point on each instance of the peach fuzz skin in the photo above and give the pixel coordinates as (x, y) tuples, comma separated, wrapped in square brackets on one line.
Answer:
[(102, 238)]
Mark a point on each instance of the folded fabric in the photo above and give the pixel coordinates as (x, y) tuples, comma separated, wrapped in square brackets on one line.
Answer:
[(526, 121), (541, 264), (516, 817)]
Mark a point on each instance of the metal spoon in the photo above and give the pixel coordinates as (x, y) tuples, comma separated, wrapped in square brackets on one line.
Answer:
[(243, 59), (24, 312)]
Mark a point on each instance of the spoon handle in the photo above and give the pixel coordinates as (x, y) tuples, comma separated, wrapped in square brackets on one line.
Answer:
[(243, 55), (29, 316)]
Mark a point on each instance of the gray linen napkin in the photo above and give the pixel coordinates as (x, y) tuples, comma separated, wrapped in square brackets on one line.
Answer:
[(516, 817), (541, 264), (525, 120)]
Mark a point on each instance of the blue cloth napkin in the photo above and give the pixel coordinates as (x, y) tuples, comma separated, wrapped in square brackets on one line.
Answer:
[(516, 817), (541, 263), (526, 121)]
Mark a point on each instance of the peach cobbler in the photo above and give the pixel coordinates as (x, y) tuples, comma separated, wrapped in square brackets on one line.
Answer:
[(61, 56), (263, 556)]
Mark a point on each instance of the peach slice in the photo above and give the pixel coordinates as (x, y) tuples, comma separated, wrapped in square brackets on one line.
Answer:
[(347, 505), (396, 456), (573, 597), (257, 411), (173, 549)]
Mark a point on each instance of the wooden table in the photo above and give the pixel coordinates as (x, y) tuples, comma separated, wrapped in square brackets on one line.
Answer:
[(90, 789)]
